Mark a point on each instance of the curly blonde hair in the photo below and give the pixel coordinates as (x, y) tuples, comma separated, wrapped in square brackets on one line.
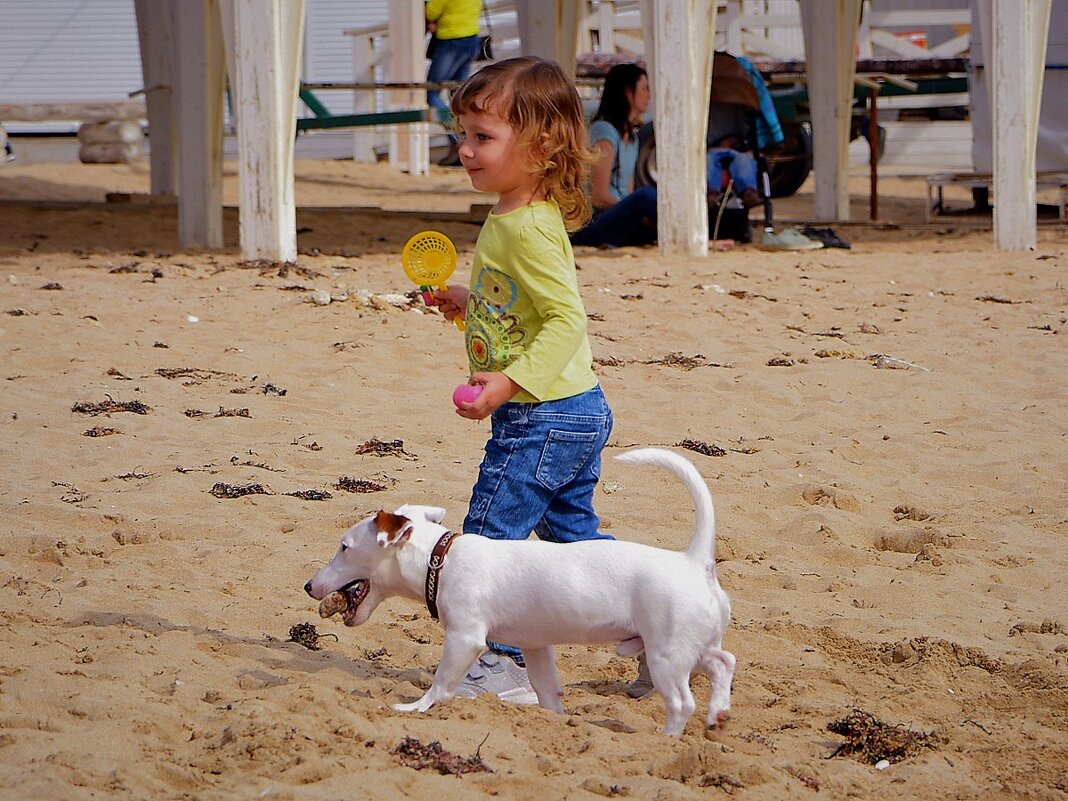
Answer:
[(541, 104)]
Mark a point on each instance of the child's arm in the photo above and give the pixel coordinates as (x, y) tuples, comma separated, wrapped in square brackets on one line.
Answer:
[(451, 301)]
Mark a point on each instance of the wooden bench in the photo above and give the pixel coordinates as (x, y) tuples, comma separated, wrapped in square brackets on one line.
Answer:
[(937, 183)]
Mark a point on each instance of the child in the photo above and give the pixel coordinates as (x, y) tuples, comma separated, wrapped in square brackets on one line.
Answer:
[(523, 137)]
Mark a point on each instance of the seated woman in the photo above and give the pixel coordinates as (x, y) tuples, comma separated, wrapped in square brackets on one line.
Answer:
[(622, 216)]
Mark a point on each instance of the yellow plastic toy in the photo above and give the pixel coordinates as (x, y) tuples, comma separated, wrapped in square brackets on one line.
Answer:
[(429, 258)]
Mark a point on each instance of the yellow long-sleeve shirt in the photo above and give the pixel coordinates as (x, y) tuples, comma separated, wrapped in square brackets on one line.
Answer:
[(455, 19)]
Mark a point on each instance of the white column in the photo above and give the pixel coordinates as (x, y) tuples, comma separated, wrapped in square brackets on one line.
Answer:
[(199, 90), (683, 32), (268, 36), (1017, 32), (830, 29), (550, 29), (409, 145), (155, 34)]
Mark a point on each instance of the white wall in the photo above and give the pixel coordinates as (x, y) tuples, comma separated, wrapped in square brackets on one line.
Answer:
[(67, 50)]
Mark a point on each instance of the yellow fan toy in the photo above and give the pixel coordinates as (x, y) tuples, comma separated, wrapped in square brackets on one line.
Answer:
[(429, 259)]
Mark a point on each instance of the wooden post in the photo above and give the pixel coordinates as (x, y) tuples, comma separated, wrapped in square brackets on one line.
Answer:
[(1017, 33), (683, 32), (409, 145), (155, 34), (830, 30), (364, 101), (550, 29), (199, 91), (268, 37)]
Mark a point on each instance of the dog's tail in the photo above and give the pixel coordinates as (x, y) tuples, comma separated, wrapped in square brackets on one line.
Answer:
[(702, 546)]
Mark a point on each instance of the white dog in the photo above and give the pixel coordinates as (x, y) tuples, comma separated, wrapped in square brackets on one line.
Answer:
[(534, 594)]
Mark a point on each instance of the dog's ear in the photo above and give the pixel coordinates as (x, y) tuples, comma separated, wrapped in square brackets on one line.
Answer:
[(393, 529), (433, 514)]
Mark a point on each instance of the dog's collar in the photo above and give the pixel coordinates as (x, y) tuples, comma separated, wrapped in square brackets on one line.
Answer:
[(433, 568)]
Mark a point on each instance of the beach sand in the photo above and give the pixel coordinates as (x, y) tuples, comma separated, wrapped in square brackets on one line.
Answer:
[(892, 532)]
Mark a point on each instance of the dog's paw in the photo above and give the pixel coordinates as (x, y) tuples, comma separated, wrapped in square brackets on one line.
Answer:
[(719, 718)]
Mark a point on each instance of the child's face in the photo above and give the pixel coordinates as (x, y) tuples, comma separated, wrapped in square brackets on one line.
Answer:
[(494, 159)]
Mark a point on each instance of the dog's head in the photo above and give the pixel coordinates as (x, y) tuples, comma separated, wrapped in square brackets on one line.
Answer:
[(366, 560)]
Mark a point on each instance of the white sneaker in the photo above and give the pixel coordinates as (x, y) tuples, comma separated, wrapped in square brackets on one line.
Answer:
[(499, 675)]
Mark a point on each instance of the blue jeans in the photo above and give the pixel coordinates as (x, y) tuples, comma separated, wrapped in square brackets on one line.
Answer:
[(632, 221), (539, 472), (741, 167), (451, 62), (541, 466)]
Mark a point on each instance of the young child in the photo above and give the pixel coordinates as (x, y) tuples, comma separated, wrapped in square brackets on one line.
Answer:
[(524, 138)]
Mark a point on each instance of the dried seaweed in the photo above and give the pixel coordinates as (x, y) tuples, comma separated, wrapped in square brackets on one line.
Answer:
[(701, 447), (413, 754), (306, 635), (684, 362), (780, 361), (223, 490), (350, 484), (109, 406), (233, 412), (376, 447), (311, 494), (100, 431), (198, 373), (118, 374), (871, 740)]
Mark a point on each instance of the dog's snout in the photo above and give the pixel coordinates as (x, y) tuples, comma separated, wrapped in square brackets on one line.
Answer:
[(307, 586)]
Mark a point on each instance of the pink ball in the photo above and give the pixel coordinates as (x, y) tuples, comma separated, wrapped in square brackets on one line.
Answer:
[(466, 393)]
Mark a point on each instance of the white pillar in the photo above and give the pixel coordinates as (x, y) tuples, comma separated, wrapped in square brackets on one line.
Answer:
[(199, 91), (268, 36), (156, 34), (830, 29), (681, 58), (550, 29), (409, 145), (1015, 33)]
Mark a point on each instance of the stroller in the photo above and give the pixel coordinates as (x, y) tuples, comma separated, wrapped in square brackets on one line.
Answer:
[(734, 106)]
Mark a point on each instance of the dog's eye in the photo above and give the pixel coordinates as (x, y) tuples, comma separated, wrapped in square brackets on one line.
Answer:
[(344, 547)]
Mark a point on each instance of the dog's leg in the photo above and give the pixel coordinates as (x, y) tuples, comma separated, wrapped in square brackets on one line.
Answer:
[(541, 670), (719, 665), (456, 658), (670, 671)]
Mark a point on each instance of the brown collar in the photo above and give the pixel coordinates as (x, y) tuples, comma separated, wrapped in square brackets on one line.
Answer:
[(434, 565)]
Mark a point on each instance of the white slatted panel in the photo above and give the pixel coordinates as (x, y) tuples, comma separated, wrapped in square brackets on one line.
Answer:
[(64, 50), (328, 52)]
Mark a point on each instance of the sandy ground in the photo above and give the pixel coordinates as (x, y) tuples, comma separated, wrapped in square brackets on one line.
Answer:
[(893, 540)]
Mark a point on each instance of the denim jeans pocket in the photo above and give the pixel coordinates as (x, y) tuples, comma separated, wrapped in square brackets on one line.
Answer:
[(564, 454)]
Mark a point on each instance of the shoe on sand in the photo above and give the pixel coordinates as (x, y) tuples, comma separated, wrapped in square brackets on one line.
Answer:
[(787, 239), (643, 685), (499, 675)]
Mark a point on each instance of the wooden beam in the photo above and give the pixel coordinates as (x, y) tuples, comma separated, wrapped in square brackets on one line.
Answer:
[(199, 91), (268, 38), (683, 32), (830, 31), (75, 111), (156, 36), (1014, 40)]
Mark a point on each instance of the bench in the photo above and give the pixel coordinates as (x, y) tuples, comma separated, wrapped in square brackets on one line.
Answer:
[(937, 183)]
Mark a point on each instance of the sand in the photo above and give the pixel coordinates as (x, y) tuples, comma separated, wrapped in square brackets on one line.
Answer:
[(892, 532)]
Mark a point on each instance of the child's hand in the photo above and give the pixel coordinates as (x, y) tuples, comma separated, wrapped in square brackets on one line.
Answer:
[(497, 390), (452, 301)]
